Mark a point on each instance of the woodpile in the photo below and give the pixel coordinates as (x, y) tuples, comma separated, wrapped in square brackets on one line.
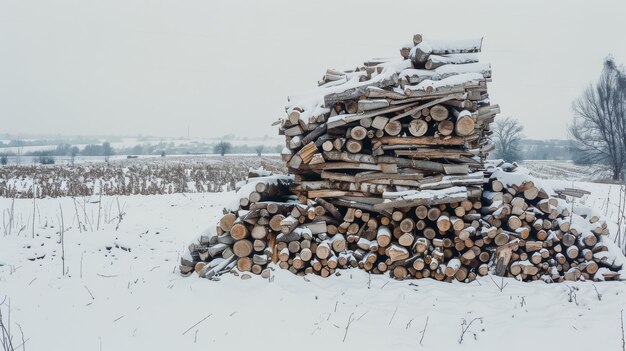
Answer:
[(388, 174), (542, 236)]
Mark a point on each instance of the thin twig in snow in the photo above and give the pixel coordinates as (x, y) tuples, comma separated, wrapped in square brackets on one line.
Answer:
[(424, 331), (348, 326), (393, 315), (34, 206), (501, 286), (99, 206), (200, 321), (80, 230), (408, 324), (62, 238), (572, 295), (362, 316), (106, 276), (465, 327), (89, 291), (621, 313), (597, 293)]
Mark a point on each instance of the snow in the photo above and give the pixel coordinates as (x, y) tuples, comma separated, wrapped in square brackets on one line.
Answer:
[(315, 98), (560, 169), (249, 187), (450, 45), (519, 177), (422, 73), (477, 67), (453, 81), (131, 297), (397, 66), (455, 58)]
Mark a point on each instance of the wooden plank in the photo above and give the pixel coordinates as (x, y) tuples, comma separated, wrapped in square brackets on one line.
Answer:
[(425, 140)]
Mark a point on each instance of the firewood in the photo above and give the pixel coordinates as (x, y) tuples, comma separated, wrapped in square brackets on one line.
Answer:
[(464, 124), (396, 253), (439, 113), (390, 176), (242, 248), (354, 146), (239, 231), (227, 221), (435, 61), (393, 128)]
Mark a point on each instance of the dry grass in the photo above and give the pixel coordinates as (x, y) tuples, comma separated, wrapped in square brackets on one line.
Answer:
[(130, 177)]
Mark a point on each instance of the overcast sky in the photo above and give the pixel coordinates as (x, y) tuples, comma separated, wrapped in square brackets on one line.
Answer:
[(157, 66)]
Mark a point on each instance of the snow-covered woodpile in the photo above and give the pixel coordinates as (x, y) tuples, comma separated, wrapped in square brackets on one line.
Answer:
[(388, 174), (536, 234)]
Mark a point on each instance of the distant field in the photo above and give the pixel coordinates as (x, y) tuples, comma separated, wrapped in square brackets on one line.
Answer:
[(145, 176), (567, 170)]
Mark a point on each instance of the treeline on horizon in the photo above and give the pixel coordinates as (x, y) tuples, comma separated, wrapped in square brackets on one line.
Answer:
[(106, 150)]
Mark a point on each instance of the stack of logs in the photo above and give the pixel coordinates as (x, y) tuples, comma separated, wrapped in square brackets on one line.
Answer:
[(391, 128), (517, 230), (537, 236), (388, 164)]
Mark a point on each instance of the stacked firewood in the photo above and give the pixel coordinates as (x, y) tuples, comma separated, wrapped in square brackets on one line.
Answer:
[(270, 224), (384, 132), (538, 236), (518, 230), (388, 175)]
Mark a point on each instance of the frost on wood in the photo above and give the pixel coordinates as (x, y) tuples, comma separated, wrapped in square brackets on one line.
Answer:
[(389, 175)]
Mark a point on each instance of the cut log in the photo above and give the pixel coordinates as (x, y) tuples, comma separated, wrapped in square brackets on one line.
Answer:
[(383, 236), (418, 127), (239, 231), (465, 124), (242, 248), (227, 221), (439, 113)]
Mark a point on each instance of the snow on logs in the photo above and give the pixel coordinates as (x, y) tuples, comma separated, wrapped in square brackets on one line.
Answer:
[(538, 235), (389, 175), (510, 231)]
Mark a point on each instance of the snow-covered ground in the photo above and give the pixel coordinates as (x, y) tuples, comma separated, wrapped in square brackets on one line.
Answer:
[(565, 169), (121, 291)]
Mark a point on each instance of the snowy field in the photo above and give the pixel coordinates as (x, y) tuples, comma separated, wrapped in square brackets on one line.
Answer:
[(144, 176), (121, 290), (564, 169)]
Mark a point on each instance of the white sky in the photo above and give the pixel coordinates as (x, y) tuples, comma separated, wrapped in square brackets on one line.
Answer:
[(157, 66)]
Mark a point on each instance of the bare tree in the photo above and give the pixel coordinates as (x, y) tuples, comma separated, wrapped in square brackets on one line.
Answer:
[(507, 133), (107, 150), (20, 148), (73, 153), (259, 150), (223, 147), (598, 128)]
